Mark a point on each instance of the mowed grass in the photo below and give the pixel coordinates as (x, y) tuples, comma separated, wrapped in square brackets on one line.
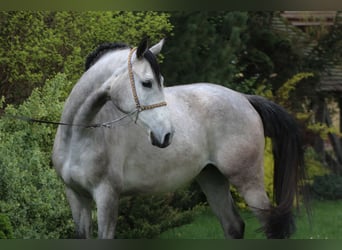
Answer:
[(326, 223)]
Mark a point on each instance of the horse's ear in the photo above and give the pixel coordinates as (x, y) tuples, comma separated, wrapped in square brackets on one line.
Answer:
[(155, 49), (142, 48)]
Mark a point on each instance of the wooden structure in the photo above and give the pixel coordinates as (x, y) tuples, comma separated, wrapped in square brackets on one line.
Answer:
[(296, 25), (310, 18)]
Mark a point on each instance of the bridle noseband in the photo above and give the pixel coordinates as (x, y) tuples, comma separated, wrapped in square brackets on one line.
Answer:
[(138, 106)]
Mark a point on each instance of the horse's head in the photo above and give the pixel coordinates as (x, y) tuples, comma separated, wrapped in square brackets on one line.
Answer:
[(139, 86)]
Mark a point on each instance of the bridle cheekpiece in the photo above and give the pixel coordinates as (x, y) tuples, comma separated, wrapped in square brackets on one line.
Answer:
[(139, 107)]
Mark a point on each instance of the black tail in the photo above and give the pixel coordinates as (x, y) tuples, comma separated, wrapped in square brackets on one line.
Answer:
[(289, 170)]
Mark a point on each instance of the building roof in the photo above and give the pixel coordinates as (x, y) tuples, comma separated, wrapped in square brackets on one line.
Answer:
[(331, 79), (293, 23), (310, 18)]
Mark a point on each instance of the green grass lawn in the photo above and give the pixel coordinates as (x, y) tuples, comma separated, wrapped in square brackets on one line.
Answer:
[(326, 224)]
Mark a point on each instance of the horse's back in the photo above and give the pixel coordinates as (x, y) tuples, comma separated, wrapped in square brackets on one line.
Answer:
[(212, 105)]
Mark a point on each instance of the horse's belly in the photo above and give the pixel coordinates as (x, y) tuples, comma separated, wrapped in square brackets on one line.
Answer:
[(160, 174), (142, 183)]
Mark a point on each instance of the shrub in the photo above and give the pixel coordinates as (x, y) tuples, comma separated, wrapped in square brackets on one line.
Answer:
[(148, 216), (6, 229), (314, 164), (328, 187), (31, 194)]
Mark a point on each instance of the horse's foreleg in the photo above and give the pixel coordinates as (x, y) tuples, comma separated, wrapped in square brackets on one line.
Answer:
[(216, 188), (81, 213), (107, 202)]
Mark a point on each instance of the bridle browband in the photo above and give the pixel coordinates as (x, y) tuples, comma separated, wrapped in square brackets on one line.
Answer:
[(138, 107)]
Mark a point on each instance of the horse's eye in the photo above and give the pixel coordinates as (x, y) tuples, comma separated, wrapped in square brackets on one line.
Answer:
[(147, 84)]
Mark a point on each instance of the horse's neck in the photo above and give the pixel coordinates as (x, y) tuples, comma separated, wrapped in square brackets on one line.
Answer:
[(77, 98), (90, 107), (86, 98), (89, 83)]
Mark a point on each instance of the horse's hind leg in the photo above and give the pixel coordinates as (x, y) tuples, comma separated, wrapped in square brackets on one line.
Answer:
[(81, 212), (250, 184), (216, 188)]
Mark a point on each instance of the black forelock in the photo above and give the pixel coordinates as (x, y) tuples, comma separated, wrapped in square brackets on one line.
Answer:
[(150, 57), (94, 56)]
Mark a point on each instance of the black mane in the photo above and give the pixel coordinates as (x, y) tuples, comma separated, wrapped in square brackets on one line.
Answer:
[(100, 51), (94, 56)]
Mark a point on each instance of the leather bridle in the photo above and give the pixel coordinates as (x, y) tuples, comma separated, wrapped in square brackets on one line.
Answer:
[(139, 107)]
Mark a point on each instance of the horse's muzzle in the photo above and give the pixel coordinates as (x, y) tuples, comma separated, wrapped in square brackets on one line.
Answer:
[(166, 140)]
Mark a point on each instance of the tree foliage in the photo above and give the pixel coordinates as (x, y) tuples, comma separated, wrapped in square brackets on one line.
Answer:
[(204, 47), (270, 57), (37, 45)]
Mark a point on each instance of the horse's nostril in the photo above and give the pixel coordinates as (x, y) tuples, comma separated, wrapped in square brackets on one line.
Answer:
[(161, 144), (167, 139), (153, 139)]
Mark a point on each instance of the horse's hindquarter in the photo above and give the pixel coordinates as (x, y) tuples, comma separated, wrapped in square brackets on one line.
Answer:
[(212, 125)]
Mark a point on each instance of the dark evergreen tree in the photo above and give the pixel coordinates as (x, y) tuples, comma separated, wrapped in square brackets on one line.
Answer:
[(270, 57), (204, 47)]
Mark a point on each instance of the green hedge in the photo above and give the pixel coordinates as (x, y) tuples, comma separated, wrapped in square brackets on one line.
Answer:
[(31, 194)]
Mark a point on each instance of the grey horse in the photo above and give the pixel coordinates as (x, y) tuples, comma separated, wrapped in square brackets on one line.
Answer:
[(166, 137)]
